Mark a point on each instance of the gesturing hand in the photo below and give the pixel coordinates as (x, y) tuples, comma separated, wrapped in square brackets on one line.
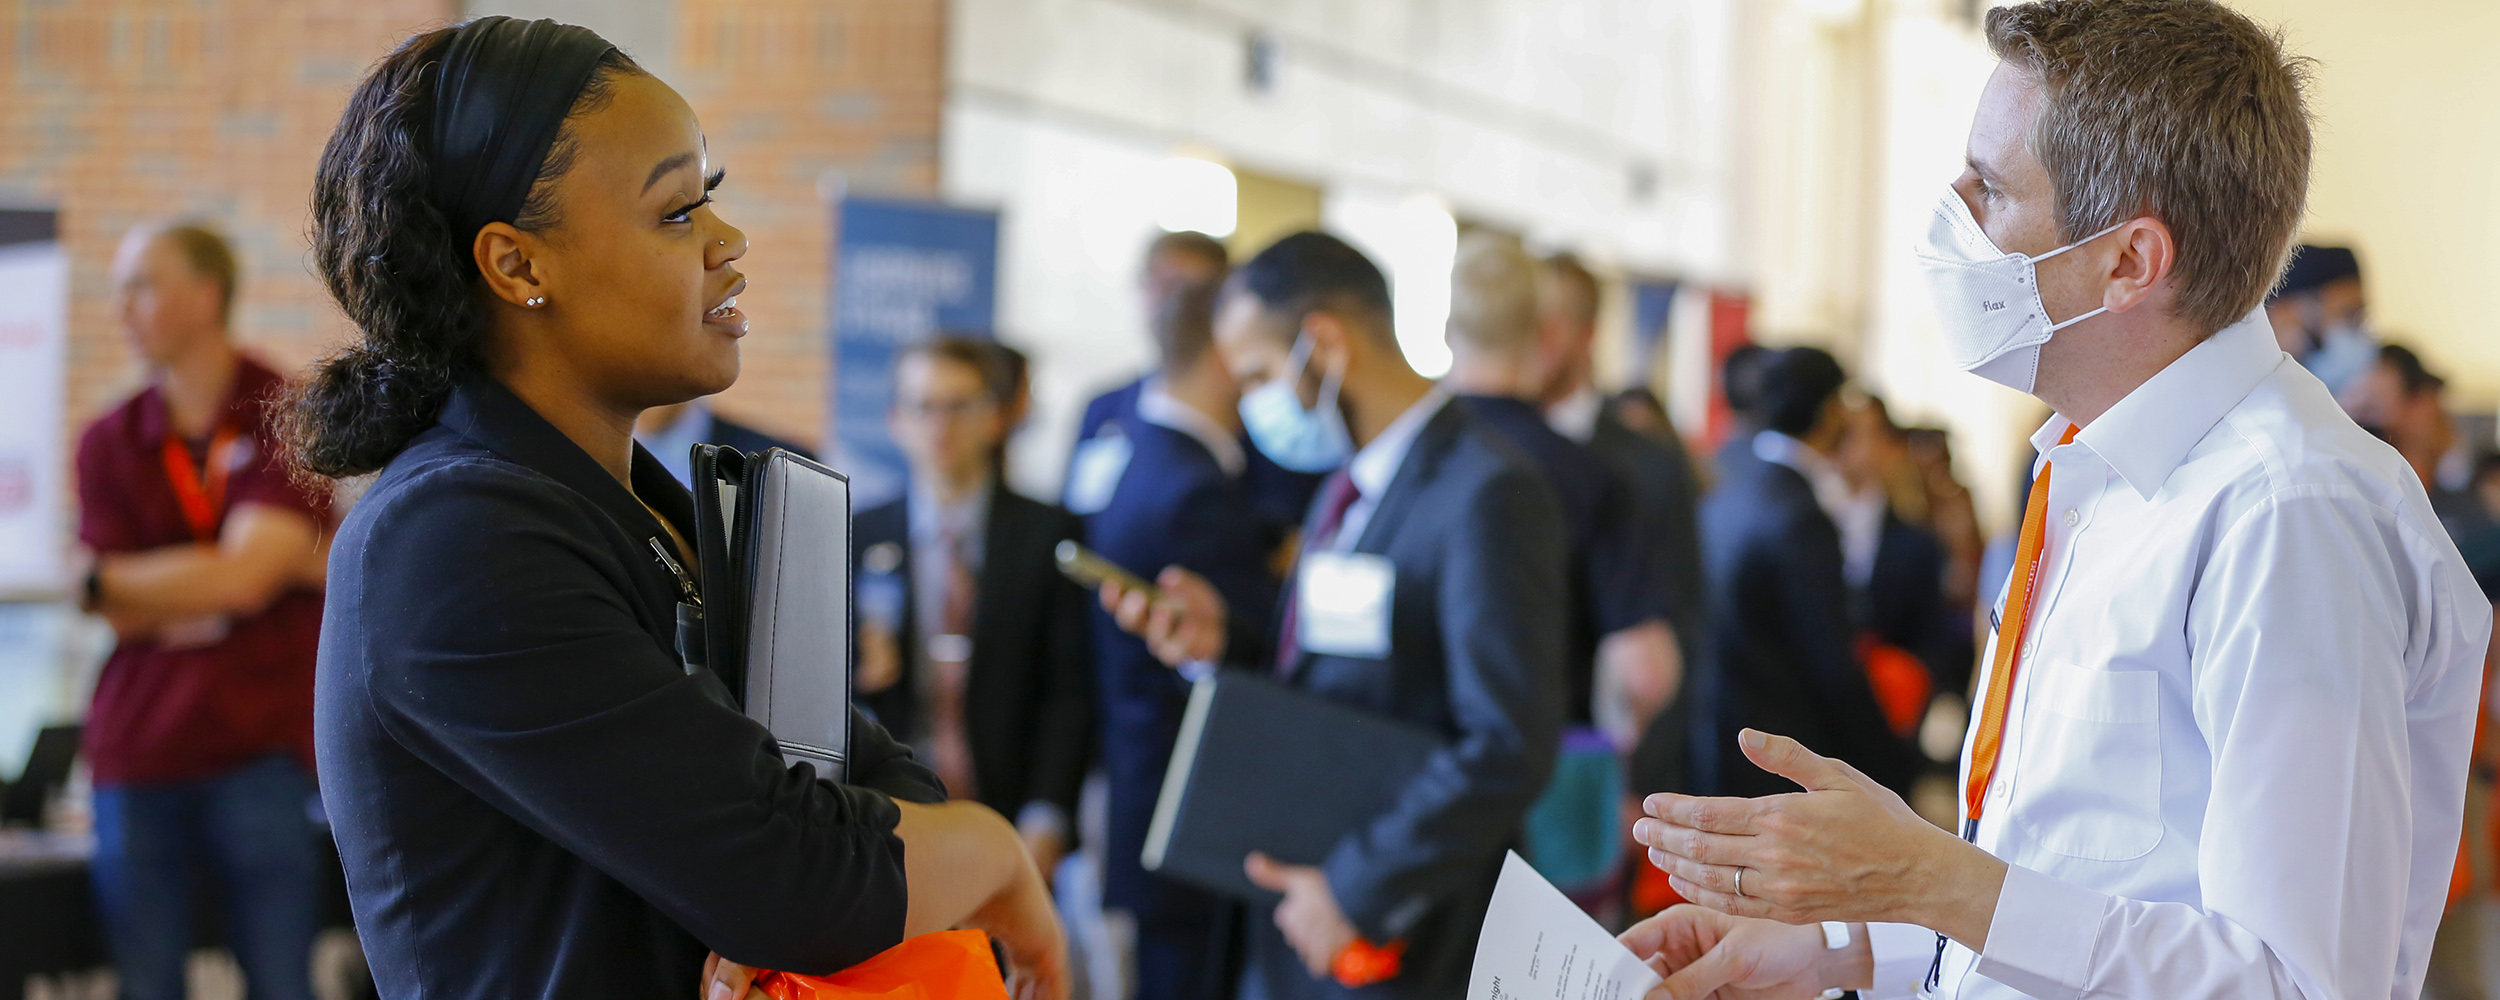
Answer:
[(1186, 626), (1309, 917), (1705, 953), (1846, 848)]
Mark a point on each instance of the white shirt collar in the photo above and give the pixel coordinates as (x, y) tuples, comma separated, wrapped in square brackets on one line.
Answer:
[(1377, 463), (1157, 406), (1775, 447), (1831, 489), (2150, 431), (1575, 417), (933, 519)]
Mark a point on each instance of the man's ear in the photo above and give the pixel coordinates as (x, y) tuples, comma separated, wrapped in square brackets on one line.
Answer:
[(2146, 256), (504, 257), (1332, 342)]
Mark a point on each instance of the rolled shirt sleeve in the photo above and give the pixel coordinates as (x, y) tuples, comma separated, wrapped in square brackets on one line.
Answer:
[(1902, 954)]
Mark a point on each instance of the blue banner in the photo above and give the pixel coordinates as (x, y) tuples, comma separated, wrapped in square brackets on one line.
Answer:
[(902, 270), (1652, 302)]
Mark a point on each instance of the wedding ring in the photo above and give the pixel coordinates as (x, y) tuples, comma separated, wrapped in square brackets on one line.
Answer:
[(1740, 881)]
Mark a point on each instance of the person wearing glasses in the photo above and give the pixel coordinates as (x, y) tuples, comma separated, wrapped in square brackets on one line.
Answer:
[(973, 648)]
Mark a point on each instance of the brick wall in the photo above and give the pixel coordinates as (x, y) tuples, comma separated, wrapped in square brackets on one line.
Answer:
[(790, 91), (120, 111)]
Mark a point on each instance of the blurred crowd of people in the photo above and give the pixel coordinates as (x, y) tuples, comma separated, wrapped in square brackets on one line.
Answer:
[(1819, 576), (537, 780), (1821, 573)]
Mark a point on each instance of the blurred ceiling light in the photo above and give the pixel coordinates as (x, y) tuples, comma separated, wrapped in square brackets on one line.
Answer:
[(1414, 239), (1193, 194), (1422, 293)]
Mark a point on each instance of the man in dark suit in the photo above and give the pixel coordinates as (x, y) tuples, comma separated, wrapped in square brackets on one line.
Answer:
[(1622, 652), (1179, 496), (1780, 656), (972, 647), (1445, 552), (670, 433), (1663, 493)]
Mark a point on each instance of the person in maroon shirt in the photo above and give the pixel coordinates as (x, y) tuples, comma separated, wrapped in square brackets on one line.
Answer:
[(207, 560)]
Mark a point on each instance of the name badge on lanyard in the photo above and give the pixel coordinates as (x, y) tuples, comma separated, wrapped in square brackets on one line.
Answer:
[(1342, 603)]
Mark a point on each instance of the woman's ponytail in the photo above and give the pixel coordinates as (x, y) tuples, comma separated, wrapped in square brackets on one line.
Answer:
[(392, 263)]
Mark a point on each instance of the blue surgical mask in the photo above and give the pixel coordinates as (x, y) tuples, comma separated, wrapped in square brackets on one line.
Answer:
[(1303, 440)]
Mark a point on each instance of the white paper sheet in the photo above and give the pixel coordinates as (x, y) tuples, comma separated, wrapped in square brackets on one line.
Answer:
[(1538, 945)]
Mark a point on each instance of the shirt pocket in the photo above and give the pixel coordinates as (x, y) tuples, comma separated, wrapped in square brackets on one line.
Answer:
[(2088, 783)]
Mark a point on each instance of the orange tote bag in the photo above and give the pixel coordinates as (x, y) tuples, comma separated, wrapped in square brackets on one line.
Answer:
[(948, 965)]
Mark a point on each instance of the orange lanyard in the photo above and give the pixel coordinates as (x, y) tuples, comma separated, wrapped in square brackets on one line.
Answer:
[(201, 492), (1989, 740)]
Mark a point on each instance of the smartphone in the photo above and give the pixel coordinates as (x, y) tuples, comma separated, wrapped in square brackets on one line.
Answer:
[(1090, 571)]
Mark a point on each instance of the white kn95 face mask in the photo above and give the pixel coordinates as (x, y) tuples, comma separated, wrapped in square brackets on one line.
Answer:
[(1987, 300)]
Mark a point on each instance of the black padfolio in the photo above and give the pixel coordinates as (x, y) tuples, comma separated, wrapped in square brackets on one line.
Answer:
[(1261, 766), (773, 535)]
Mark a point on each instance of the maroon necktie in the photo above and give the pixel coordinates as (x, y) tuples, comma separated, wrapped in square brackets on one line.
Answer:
[(950, 752), (1336, 496)]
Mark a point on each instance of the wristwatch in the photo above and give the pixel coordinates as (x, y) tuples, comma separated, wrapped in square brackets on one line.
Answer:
[(1835, 937)]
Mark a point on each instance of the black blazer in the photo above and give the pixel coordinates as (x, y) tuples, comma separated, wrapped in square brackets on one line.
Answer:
[(1903, 603), (1029, 699), (1665, 493), (532, 795), (1780, 656), (1477, 631), (1616, 580)]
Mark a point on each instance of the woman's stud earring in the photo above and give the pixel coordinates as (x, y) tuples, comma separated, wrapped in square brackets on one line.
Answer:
[(536, 301)]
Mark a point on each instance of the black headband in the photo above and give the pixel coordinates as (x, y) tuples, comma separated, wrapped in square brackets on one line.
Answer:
[(500, 97)]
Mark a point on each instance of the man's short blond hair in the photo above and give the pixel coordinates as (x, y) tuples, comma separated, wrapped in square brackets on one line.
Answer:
[(1565, 288), (209, 255), (1492, 294), (2182, 110)]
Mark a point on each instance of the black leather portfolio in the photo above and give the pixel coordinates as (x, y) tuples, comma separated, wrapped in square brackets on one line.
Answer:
[(1260, 766), (774, 539)]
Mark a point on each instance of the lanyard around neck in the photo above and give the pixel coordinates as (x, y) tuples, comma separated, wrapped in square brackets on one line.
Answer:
[(1989, 741), (201, 492)]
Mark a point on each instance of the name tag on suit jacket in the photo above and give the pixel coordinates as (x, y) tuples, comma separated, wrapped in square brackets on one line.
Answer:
[(1342, 603)]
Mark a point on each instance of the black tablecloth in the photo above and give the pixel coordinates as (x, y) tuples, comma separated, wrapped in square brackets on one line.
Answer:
[(48, 922)]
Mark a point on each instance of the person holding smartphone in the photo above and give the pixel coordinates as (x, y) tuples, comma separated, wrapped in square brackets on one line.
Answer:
[(533, 794)]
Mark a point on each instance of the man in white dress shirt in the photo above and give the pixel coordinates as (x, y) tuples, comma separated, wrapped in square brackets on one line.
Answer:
[(2221, 747)]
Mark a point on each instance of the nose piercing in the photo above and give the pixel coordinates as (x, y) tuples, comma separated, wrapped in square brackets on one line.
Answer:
[(724, 242)]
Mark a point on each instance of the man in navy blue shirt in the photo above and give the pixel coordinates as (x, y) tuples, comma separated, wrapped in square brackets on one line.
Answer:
[(1164, 479)]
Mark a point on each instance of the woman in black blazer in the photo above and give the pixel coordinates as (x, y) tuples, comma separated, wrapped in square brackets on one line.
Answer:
[(533, 794)]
